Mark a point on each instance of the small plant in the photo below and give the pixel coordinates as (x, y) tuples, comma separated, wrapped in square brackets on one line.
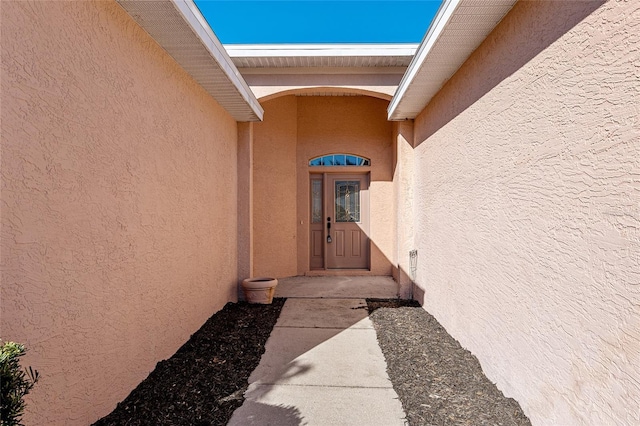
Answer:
[(15, 383)]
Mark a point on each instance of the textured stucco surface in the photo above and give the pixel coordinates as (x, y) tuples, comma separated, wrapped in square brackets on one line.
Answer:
[(118, 204), (245, 203), (403, 206), (355, 125), (274, 85), (527, 192), (274, 186), (296, 129)]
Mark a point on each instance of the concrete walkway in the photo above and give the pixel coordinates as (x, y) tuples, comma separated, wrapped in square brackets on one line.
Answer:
[(322, 364)]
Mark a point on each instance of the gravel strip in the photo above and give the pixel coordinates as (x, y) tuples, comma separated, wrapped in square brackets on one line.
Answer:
[(438, 381)]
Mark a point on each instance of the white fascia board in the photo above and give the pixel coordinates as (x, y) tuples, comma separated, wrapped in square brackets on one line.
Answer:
[(438, 24), (321, 50), (324, 71), (199, 25)]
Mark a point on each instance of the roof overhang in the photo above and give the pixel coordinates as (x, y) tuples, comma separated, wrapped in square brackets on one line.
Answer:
[(456, 31), (271, 70), (290, 56), (180, 29)]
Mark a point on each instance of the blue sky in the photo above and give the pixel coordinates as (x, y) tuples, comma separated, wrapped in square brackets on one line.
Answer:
[(314, 21)]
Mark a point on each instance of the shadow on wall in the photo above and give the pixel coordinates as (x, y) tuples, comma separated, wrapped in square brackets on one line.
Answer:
[(554, 19), (406, 280)]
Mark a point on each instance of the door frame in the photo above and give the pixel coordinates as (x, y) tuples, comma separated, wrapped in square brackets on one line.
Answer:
[(327, 197)]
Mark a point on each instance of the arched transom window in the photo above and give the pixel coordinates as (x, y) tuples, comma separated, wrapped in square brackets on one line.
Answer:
[(339, 160)]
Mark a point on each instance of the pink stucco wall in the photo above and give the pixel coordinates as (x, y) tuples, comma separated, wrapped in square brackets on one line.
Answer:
[(274, 190), (527, 201), (296, 129), (403, 205), (118, 204), (357, 125)]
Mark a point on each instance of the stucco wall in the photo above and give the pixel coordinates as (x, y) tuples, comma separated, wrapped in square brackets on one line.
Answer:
[(294, 130), (245, 203), (356, 125), (274, 190), (403, 205), (528, 209), (118, 204)]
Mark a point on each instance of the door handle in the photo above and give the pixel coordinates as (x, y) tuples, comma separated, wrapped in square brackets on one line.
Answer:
[(328, 230)]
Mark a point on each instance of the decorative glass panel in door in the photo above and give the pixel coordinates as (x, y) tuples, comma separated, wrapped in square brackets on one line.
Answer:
[(316, 201), (316, 223), (347, 198)]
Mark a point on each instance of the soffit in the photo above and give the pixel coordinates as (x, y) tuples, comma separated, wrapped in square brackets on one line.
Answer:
[(457, 30), (179, 28), (308, 56)]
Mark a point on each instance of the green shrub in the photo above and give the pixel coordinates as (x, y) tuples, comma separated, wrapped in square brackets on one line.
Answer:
[(15, 383)]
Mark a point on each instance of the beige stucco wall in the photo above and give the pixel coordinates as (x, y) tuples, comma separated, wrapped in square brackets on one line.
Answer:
[(245, 203), (274, 190), (294, 130), (403, 205), (118, 204), (356, 125), (378, 82), (527, 173)]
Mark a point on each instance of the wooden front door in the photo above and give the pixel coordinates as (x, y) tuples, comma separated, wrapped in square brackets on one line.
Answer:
[(339, 239)]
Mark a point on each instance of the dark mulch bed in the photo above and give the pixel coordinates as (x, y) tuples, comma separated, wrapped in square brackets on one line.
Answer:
[(438, 381), (204, 382)]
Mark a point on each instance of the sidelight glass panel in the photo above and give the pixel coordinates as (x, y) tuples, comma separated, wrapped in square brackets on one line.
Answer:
[(316, 201), (347, 197)]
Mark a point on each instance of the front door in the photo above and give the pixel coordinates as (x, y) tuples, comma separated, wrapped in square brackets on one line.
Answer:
[(340, 240)]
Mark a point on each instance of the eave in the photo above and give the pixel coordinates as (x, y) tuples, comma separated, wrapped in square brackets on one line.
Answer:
[(181, 30), (457, 30)]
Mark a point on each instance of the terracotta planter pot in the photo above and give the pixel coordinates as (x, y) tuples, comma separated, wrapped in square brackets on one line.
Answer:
[(259, 290)]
